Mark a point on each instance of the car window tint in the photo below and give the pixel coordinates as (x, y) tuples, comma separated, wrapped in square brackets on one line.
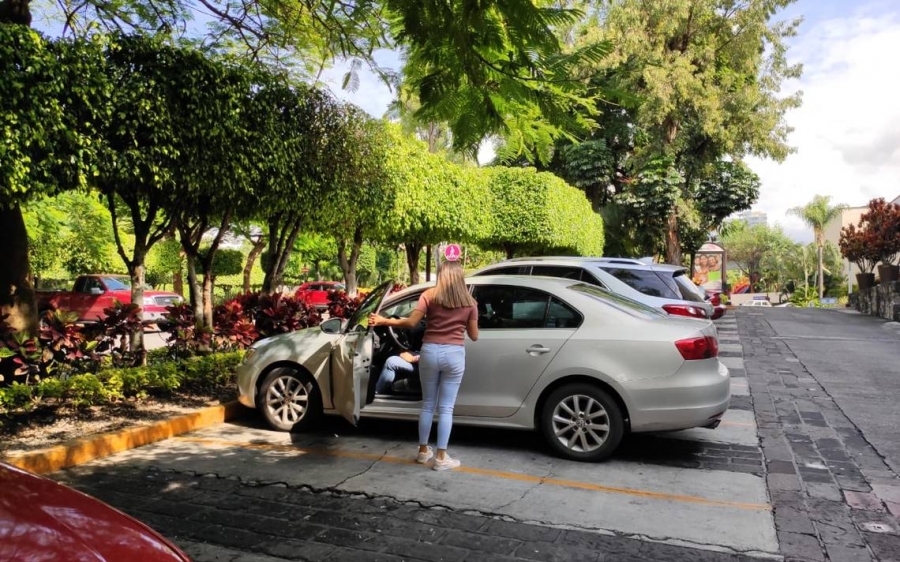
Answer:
[(509, 270), (80, 285), (505, 307), (92, 283), (402, 308), (687, 289), (561, 315), (565, 272), (644, 281)]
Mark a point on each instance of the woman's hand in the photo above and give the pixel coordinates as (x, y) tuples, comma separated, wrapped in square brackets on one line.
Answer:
[(377, 320)]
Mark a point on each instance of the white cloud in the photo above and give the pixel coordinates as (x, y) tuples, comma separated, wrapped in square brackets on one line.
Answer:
[(847, 132)]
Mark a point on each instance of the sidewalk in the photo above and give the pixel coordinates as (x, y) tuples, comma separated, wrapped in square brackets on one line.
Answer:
[(834, 495)]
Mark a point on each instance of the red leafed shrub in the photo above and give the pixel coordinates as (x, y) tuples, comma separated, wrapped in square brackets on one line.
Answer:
[(397, 288), (233, 329), (882, 226), (859, 246), (340, 305), (64, 339), (185, 338), (280, 314)]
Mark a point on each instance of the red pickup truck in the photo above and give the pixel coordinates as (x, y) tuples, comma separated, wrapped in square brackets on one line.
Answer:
[(92, 293)]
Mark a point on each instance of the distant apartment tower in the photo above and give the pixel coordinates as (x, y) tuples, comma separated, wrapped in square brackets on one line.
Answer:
[(753, 218)]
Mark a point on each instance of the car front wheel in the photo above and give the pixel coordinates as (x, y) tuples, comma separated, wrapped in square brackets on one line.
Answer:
[(582, 422), (290, 400)]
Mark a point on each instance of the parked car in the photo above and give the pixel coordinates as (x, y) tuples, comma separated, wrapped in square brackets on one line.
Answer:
[(316, 292), (43, 520), (665, 287), (582, 365), (757, 302), (92, 293)]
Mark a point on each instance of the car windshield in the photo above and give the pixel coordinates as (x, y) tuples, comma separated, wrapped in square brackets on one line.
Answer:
[(624, 304), (360, 318), (117, 283)]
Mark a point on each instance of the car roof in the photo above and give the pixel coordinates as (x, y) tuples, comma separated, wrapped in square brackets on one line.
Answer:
[(626, 263), (536, 281)]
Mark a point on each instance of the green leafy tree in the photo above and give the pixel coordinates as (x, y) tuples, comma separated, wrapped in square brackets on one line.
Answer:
[(708, 74), (433, 200), (817, 214), (46, 224), (750, 246), (537, 212), (50, 99)]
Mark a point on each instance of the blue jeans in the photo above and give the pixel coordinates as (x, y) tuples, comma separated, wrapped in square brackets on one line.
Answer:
[(389, 373), (441, 369)]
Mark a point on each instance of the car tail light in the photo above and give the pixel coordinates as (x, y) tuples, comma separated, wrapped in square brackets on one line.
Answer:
[(685, 310), (694, 349)]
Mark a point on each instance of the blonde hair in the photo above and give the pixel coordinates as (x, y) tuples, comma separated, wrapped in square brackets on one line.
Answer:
[(451, 290)]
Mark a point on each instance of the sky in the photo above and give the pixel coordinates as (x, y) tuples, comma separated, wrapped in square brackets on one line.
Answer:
[(846, 133)]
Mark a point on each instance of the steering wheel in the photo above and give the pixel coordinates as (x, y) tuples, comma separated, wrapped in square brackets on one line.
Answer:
[(408, 338)]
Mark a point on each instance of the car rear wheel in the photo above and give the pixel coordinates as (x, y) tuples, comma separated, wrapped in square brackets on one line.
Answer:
[(290, 399), (582, 422)]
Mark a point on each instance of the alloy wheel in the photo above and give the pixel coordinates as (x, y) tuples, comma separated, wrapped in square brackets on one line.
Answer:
[(287, 399), (580, 423)]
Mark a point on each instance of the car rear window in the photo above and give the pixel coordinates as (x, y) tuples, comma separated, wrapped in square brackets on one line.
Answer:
[(619, 302), (645, 281), (688, 290)]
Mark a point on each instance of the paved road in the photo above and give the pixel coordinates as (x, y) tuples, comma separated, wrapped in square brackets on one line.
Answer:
[(699, 489), (857, 360)]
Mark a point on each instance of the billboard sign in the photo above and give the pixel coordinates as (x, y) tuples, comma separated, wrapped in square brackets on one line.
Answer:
[(708, 269)]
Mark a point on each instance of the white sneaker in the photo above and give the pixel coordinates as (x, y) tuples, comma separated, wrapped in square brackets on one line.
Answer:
[(423, 458), (445, 464)]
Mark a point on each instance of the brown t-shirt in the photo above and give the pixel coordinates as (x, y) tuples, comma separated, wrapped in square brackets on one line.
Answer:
[(445, 325)]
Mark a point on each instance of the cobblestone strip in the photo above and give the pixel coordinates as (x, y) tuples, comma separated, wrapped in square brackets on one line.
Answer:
[(824, 478), (275, 521)]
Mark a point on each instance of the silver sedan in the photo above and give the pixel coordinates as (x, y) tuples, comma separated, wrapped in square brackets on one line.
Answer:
[(579, 364)]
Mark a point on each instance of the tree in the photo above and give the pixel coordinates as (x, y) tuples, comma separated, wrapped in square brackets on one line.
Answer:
[(749, 246), (50, 98), (537, 212), (708, 74), (817, 214), (434, 200), (354, 206)]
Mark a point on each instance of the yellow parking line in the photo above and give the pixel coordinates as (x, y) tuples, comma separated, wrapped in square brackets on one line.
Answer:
[(485, 472)]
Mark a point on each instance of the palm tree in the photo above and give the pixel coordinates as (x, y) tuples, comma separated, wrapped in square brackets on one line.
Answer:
[(818, 213)]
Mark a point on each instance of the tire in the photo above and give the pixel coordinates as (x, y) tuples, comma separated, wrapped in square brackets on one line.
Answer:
[(564, 422), (306, 400)]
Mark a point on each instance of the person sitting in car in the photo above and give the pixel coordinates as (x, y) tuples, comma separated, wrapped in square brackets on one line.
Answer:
[(403, 363)]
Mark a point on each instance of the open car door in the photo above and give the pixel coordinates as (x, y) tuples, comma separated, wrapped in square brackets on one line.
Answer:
[(351, 357)]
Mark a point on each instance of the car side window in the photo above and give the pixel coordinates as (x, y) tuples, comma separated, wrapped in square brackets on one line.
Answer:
[(506, 307), (402, 309), (80, 285), (647, 282), (89, 283), (561, 315), (561, 271)]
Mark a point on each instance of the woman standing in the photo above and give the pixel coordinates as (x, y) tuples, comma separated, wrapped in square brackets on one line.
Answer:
[(451, 313)]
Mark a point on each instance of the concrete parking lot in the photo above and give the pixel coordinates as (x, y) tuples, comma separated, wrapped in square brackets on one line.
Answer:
[(239, 491)]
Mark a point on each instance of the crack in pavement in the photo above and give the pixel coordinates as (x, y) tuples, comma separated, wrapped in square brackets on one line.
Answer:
[(367, 469)]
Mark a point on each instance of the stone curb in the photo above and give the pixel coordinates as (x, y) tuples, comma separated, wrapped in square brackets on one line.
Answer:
[(86, 449)]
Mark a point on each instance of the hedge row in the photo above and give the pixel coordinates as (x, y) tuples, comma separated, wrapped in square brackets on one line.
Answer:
[(165, 377)]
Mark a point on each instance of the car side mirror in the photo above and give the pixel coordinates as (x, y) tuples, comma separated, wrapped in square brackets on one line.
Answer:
[(96, 291), (332, 326)]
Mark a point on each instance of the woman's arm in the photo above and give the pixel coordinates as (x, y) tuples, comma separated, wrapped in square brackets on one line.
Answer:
[(410, 321), (472, 328)]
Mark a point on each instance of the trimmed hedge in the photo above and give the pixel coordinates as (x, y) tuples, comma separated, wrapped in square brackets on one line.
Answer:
[(194, 374)]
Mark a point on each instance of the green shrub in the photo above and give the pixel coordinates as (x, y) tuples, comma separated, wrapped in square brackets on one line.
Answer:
[(17, 396)]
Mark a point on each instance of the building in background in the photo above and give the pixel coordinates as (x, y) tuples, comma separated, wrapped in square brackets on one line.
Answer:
[(752, 218)]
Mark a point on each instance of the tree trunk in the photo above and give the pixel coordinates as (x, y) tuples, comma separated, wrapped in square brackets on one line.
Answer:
[(281, 243), (348, 263), (137, 274), (208, 300), (673, 243), (196, 294), (16, 293), (258, 248), (178, 281), (412, 260), (15, 12), (428, 263), (821, 274)]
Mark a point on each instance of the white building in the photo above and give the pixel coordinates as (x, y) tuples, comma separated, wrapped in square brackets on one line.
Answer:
[(752, 218)]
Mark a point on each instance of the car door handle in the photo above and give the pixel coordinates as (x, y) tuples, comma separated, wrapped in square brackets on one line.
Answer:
[(537, 350)]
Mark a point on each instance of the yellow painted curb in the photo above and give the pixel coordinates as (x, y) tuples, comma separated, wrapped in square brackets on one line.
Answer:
[(79, 451)]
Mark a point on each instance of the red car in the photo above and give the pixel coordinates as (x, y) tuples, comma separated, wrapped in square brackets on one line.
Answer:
[(92, 293), (41, 520), (316, 292)]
